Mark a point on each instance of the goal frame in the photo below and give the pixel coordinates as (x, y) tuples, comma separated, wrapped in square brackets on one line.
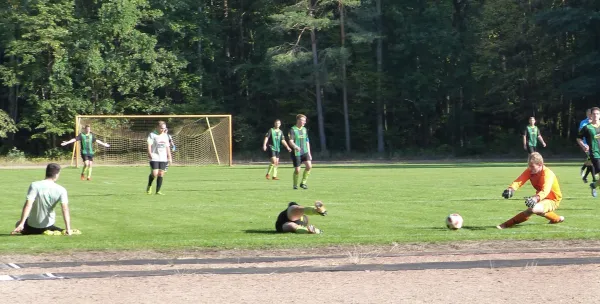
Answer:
[(77, 146)]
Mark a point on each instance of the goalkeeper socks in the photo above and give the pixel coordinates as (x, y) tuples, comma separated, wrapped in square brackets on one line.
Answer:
[(296, 176), (302, 230), (274, 171), (517, 219), (270, 171), (150, 180), (553, 217), (159, 183), (89, 174), (84, 171), (305, 176)]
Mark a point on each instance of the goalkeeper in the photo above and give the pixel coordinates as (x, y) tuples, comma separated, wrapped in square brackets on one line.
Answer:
[(294, 219), (547, 196)]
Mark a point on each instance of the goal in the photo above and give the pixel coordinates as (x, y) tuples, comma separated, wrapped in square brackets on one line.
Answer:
[(199, 139)]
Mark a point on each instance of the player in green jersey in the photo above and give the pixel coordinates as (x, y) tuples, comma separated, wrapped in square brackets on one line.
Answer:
[(38, 215), (272, 145), (531, 135), (87, 139), (591, 134), (298, 137)]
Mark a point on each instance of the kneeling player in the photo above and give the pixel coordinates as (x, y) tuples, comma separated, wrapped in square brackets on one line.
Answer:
[(547, 196), (294, 219)]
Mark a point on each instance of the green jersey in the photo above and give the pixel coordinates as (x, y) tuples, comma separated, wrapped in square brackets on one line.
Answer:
[(300, 137), (45, 195), (591, 134), (87, 143), (531, 134), (275, 136)]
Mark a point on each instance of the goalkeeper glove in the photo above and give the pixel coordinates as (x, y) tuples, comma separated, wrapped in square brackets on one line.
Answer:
[(531, 201), (508, 193), (320, 208)]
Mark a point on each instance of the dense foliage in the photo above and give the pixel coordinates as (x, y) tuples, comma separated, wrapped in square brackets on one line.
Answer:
[(454, 76)]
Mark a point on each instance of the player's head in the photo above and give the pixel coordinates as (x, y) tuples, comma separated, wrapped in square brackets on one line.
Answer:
[(532, 120), (300, 120), (277, 123), (595, 114), (87, 128), (161, 127), (52, 170), (535, 162)]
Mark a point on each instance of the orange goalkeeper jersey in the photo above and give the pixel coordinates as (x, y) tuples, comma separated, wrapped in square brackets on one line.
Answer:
[(544, 182)]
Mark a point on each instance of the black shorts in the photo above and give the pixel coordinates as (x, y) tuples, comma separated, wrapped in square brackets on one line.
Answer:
[(595, 162), (156, 165), (271, 153), (89, 157), (531, 149), (32, 230), (298, 160), (282, 219)]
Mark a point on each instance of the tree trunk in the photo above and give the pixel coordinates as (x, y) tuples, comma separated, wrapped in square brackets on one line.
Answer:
[(344, 82), (379, 103), (320, 120), (199, 51)]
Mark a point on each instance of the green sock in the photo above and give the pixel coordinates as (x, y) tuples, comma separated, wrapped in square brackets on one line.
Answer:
[(274, 171), (311, 211), (296, 175), (302, 230), (305, 176), (84, 171), (89, 174), (270, 172)]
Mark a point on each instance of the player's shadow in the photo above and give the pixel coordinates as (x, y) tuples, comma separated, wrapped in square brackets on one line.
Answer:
[(474, 228), (261, 231), (8, 234)]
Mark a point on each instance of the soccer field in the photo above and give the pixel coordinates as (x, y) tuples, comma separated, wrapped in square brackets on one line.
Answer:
[(235, 207)]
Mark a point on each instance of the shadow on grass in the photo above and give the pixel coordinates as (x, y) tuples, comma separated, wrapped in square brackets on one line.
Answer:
[(8, 234), (261, 231), (473, 228)]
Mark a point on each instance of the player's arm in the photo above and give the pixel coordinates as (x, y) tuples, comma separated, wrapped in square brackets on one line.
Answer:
[(267, 140), (150, 141), (525, 140), (291, 141), (24, 215), (284, 142), (169, 156), (580, 142), (521, 180), (66, 216), (541, 139), (102, 143), (64, 143)]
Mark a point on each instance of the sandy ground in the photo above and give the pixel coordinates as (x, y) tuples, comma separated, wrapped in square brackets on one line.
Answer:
[(528, 284)]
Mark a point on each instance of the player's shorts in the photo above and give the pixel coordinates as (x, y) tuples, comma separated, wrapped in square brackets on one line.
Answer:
[(549, 205), (89, 157), (283, 218), (531, 149), (299, 159), (157, 165), (271, 153), (32, 230)]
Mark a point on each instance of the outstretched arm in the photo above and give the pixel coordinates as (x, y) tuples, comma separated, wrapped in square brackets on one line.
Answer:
[(24, 216), (64, 143), (102, 143)]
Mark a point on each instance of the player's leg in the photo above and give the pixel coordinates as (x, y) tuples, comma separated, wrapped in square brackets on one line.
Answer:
[(152, 176), (301, 229), (84, 169), (271, 164), (546, 209), (90, 165), (276, 166), (530, 149), (297, 162), (160, 174), (307, 167), (517, 219), (595, 169)]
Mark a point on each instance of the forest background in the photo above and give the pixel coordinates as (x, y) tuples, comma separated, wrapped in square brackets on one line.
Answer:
[(401, 78)]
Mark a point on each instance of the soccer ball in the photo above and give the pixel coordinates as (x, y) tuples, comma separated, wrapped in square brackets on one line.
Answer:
[(454, 221)]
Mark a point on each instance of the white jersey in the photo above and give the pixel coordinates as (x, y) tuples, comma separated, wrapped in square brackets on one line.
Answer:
[(160, 145), (45, 194)]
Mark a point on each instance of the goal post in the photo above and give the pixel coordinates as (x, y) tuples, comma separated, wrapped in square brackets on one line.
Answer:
[(199, 139)]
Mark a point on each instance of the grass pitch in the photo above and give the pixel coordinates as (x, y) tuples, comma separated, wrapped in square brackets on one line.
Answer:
[(236, 207)]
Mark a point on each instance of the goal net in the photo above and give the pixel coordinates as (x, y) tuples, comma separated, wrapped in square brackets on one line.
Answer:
[(198, 139)]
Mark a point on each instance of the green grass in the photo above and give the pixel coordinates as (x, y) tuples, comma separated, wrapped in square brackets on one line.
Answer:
[(223, 207)]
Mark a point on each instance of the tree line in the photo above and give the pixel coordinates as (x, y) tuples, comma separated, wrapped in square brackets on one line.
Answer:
[(453, 77)]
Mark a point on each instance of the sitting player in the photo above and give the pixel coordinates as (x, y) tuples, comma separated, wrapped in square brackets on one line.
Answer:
[(546, 199), (294, 219)]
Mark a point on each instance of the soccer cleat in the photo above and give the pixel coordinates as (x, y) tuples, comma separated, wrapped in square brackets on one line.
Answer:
[(82, 177), (51, 232), (501, 227), (562, 219), (295, 187), (149, 190), (159, 193), (314, 230), (275, 178), (267, 176), (89, 178), (303, 186), (594, 191), (320, 208)]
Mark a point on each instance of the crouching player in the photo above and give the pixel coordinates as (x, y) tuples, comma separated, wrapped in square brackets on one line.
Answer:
[(294, 219), (546, 199)]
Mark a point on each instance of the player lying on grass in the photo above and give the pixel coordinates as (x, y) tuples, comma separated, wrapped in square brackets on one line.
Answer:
[(38, 215), (294, 219), (547, 196)]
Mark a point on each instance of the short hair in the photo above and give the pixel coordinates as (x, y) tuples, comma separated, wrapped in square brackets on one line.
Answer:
[(52, 170), (536, 158), (530, 118), (300, 116), (86, 126), (277, 120), (161, 122), (594, 109)]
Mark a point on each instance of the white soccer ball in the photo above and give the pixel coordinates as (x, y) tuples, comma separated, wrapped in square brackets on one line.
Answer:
[(454, 221)]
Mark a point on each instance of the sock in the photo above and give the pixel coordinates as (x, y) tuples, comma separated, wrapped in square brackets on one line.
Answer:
[(311, 211), (150, 180), (302, 230), (588, 170), (296, 175), (305, 176), (84, 171), (553, 217), (517, 219), (274, 171), (89, 174), (270, 172), (159, 183)]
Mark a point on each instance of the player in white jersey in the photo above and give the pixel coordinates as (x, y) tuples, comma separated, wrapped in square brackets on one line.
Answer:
[(38, 211), (159, 153)]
